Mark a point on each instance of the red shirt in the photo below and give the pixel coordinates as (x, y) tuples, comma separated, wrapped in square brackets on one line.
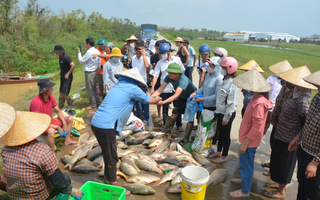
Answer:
[(254, 119), (39, 105)]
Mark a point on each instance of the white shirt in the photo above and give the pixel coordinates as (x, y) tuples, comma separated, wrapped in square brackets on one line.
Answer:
[(139, 64), (90, 64), (152, 45), (161, 66)]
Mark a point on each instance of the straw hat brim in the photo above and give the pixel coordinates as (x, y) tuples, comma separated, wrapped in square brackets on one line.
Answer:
[(7, 118), (27, 127), (314, 79), (280, 67), (295, 76), (179, 39), (132, 38), (252, 64), (252, 81), (133, 74)]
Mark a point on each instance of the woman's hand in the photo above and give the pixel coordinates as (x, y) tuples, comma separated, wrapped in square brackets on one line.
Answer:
[(243, 148), (294, 144), (199, 99), (312, 169)]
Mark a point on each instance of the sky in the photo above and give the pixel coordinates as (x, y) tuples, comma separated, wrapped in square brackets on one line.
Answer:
[(300, 18)]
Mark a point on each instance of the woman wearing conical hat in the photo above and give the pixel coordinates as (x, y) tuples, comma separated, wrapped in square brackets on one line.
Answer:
[(252, 126), (290, 122), (30, 167), (309, 147)]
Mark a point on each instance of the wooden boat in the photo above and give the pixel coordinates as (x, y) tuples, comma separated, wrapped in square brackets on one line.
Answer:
[(12, 79)]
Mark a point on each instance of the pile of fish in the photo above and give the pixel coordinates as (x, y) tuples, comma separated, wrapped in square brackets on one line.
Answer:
[(144, 151)]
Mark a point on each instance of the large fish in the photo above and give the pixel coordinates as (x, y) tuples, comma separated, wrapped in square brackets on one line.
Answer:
[(121, 145), (128, 169), (92, 139), (184, 157), (177, 179), (182, 150), (174, 188), (148, 166), (173, 161), (122, 152), (130, 161), (84, 137), (168, 176), (217, 176), (85, 168), (173, 146), (147, 158), (133, 156), (65, 159), (142, 133), (98, 161), (138, 140), (146, 142), (76, 149), (173, 153), (142, 178), (162, 147), (146, 151), (210, 169), (164, 166), (155, 142), (137, 188), (84, 161), (80, 153), (203, 161), (136, 147), (94, 153), (126, 133), (157, 156)]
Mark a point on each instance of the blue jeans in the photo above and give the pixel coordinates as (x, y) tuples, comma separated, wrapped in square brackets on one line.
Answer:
[(246, 169), (142, 106)]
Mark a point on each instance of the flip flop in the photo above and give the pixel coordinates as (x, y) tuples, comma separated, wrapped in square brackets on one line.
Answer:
[(145, 123), (238, 194), (266, 173), (271, 194), (267, 165), (219, 160), (272, 185)]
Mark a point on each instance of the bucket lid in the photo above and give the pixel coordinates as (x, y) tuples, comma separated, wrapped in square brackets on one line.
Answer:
[(195, 175)]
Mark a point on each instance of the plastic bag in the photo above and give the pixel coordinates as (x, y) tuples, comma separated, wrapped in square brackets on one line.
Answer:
[(205, 133), (134, 123), (192, 108)]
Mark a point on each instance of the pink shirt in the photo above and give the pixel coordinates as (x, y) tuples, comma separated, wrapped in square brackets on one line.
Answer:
[(254, 119), (39, 105)]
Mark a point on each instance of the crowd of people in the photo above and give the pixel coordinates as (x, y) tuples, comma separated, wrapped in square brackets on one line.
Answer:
[(283, 100)]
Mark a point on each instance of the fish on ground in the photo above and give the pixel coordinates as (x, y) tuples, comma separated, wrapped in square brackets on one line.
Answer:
[(98, 161), (80, 153), (162, 147), (173, 161), (143, 178), (128, 169), (177, 179), (94, 153), (174, 188), (122, 152), (155, 142), (130, 161), (84, 161), (148, 166), (164, 166), (85, 168), (121, 145), (203, 161), (169, 176), (83, 138), (126, 133), (157, 156), (146, 151), (217, 176), (138, 140), (138, 188)]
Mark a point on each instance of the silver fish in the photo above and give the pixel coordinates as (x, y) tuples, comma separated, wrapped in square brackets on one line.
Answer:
[(217, 176), (80, 153)]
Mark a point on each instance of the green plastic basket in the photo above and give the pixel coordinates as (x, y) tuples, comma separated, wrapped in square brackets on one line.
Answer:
[(99, 191)]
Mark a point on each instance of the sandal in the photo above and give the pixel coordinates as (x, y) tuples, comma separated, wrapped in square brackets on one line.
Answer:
[(266, 173), (195, 128), (273, 194), (219, 160), (238, 194), (272, 185), (267, 165), (156, 119), (161, 122)]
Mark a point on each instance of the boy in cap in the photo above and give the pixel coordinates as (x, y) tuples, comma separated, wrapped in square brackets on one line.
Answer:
[(183, 89), (66, 76), (44, 102)]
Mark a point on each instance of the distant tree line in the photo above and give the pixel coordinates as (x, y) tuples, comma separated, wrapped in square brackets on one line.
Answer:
[(27, 36)]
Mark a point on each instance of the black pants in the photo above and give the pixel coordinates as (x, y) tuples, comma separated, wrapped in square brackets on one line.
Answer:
[(188, 72), (272, 137), (165, 109), (55, 191), (65, 84), (224, 134), (308, 188), (107, 142)]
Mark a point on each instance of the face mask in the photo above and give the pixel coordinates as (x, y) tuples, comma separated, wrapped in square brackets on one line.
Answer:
[(164, 56), (132, 44), (223, 72), (115, 59)]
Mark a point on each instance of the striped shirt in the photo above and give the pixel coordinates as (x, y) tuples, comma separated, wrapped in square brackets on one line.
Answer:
[(310, 134), (26, 169)]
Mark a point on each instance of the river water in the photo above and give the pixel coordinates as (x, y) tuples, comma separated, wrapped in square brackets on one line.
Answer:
[(9, 93)]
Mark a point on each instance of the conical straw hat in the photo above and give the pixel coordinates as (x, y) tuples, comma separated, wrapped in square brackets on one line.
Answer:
[(295, 76), (134, 74), (252, 81), (179, 39), (27, 127), (280, 67), (252, 64), (313, 78), (7, 117), (132, 38)]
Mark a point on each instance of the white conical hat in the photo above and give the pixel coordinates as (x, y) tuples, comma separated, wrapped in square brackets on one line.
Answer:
[(133, 37), (294, 76), (27, 127), (280, 67), (252, 81), (134, 74), (313, 78), (7, 117)]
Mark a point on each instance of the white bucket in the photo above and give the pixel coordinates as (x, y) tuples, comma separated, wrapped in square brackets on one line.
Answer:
[(194, 183)]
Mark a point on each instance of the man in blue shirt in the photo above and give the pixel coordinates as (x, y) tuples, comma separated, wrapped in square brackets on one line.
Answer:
[(192, 60), (183, 89), (113, 114)]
